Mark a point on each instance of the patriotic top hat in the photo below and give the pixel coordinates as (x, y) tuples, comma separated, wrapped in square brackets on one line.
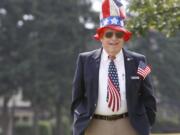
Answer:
[(112, 16)]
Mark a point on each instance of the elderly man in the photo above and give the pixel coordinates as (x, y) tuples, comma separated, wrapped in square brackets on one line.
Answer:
[(112, 89)]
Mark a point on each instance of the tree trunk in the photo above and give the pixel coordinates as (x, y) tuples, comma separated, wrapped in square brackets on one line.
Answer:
[(35, 121), (11, 118), (58, 130), (5, 116), (10, 122)]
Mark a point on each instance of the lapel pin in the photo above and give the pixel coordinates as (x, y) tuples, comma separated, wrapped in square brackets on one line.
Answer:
[(128, 59)]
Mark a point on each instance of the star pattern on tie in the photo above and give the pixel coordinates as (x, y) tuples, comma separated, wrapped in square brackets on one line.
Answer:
[(113, 75), (113, 90)]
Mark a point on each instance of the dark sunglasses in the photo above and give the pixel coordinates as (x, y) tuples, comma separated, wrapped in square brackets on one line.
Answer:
[(117, 34)]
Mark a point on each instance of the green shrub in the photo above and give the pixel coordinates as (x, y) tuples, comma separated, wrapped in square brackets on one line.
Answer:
[(45, 128), (22, 129)]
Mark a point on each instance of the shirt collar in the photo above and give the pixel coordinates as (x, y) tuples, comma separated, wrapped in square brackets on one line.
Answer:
[(104, 56)]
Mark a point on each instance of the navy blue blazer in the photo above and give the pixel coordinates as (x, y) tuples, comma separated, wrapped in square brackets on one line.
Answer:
[(141, 103)]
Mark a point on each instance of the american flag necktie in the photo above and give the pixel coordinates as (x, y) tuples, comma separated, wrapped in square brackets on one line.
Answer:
[(113, 90)]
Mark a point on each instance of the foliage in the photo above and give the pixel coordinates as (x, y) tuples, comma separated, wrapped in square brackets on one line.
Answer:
[(45, 128), (10, 51), (26, 129), (23, 129), (166, 127), (40, 41), (162, 15)]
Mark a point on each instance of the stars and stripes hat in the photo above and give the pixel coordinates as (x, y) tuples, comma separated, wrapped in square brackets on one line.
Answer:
[(112, 16)]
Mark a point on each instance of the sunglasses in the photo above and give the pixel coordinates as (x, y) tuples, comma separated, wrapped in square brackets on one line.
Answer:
[(117, 34)]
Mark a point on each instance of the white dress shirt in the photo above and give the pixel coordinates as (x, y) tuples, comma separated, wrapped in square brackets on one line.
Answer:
[(102, 105)]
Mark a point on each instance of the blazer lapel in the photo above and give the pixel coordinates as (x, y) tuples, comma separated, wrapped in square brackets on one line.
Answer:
[(95, 63), (128, 61), (96, 58), (129, 68)]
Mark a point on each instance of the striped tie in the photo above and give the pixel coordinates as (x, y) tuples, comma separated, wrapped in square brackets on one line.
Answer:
[(113, 90)]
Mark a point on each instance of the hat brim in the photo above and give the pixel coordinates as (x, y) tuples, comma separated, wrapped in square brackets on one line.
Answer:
[(126, 37)]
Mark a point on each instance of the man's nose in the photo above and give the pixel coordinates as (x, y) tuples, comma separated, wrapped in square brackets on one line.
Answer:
[(114, 36)]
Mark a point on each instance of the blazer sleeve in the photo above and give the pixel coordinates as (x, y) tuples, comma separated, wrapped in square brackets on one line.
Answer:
[(78, 85), (148, 98)]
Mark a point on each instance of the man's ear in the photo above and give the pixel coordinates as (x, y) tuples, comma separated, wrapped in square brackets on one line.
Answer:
[(101, 39), (101, 36)]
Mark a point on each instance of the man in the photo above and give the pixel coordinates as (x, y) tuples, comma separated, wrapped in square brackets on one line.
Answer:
[(112, 90)]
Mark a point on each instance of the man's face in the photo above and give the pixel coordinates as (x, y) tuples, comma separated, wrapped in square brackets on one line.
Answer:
[(112, 41)]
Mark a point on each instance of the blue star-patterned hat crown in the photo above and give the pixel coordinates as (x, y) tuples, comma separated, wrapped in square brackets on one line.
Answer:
[(112, 20)]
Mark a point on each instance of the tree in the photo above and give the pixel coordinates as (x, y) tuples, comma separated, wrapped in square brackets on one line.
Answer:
[(46, 36), (53, 53), (162, 15), (10, 54)]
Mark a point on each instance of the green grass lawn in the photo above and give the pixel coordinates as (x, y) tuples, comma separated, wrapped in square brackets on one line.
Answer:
[(167, 134)]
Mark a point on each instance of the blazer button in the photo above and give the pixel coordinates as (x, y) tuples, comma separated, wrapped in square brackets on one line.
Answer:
[(90, 118), (94, 104)]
